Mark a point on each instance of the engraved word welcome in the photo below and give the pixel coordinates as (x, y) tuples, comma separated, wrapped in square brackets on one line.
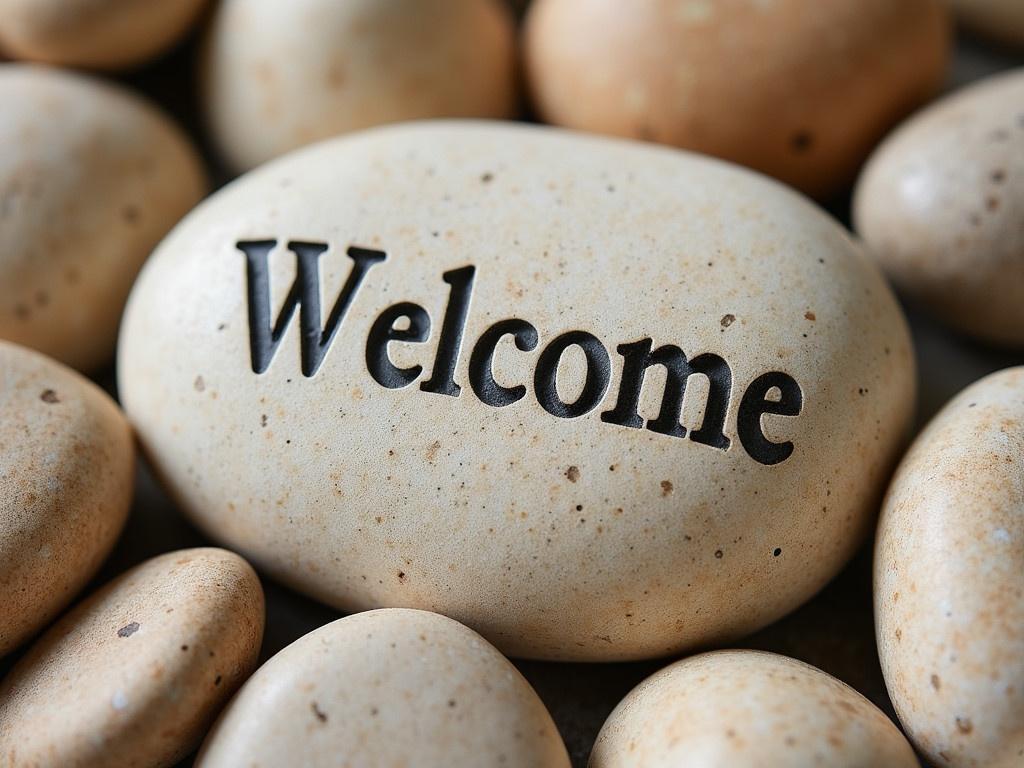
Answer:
[(773, 392)]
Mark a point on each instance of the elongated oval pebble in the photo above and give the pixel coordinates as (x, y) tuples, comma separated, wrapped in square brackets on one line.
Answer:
[(748, 709), (100, 34), (386, 688), (941, 203), (949, 599), (91, 177), (277, 76), (134, 675), (66, 466), (799, 90), (485, 428)]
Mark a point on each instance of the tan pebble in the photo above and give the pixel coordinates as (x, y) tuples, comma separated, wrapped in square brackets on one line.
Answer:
[(135, 674), (387, 688), (98, 34), (941, 204), (798, 90), (277, 76), (949, 602), (66, 469), (493, 451), (91, 177), (748, 709)]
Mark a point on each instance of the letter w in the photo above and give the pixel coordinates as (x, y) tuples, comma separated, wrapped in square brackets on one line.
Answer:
[(264, 338)]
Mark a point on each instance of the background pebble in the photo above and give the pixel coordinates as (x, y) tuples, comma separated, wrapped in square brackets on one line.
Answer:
[(91, 177), (66, 468), (134, 675)]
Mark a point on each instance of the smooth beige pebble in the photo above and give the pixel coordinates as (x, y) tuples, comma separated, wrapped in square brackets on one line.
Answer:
[(563, 504), (67, 463), (999, 20), (277, 76), (949, 590), (941, 204), (134, 675), (387, 688), (91, 177), (748, 709), (96, 34), (798, 89)]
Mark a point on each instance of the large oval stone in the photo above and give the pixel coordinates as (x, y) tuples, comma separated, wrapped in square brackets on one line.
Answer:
[(443, 366)]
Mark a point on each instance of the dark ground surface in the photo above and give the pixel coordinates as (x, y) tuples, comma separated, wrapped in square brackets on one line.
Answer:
[(834, 631)]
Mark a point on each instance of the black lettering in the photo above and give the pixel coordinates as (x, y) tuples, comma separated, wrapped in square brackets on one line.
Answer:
[(383, 332), (719, 375), (481, 362), (755, 404), (442, 378), (304, 295), (599, 371), (638, 357)]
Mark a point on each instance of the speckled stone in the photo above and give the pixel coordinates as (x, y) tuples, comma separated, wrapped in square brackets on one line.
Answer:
[(100, 34), (386, 688), (941, 203), (66, 468), (799, 90), (748, 709), (949, 601), (133, 676), (91, 177), (277, 76), (550, 523)]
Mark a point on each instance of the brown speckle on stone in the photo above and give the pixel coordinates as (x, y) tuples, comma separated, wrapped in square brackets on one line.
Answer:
[(810, 316), (801, 141), (728, 320), (666, 488), (128, 629), (199, 385), (573, 473), (719, 554), (49, 396), (936, 682), (964, 725), (433, 449), (130, 214), (318, 713)]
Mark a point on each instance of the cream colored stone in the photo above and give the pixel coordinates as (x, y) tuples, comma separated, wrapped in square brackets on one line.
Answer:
[(91, 178), (1000, 20), (277, 76), (554, 537), (66, 468), (386, 688), (100, 34), (133, 676), (949, 601), (748, 709), (941, 204), (797, 89)]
